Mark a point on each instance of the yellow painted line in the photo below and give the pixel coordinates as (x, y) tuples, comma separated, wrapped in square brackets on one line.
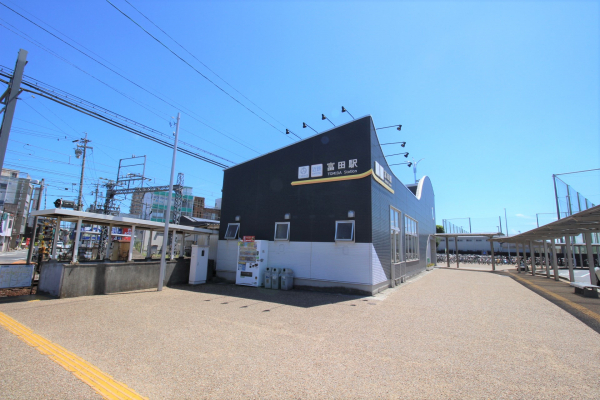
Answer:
[(29, 301), (102, 383), (576, 306), (19, 262), (334, 179)]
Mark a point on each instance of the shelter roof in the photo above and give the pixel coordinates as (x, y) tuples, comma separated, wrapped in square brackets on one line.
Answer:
[(582, 222), (101, 219)]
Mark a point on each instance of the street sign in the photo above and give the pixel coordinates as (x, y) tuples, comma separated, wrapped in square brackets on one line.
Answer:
[(249, 238)]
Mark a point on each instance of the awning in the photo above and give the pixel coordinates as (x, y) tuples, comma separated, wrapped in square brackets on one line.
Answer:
[(67, 215), (582, 222)]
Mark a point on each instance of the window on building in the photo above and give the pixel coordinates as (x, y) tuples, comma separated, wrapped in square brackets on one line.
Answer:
[(469, 240), (395, 235), (282, 231), (411, 237), (344, 231), (478, 240), (232, 231), (10, 224)]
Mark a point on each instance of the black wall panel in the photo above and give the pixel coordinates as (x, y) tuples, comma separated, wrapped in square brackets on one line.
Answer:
[(407, 203), (260, 190)]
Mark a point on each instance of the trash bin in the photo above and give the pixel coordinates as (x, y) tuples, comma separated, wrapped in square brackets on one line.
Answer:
[(274, 278), (287, 279), (267, 278)]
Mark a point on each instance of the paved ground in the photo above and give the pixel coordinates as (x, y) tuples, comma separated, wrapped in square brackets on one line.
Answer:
[(10, 257), (447, 334)]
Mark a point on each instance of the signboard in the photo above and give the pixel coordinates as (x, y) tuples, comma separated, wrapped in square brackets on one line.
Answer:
[(16, 275), (349, 167), (248, 238)]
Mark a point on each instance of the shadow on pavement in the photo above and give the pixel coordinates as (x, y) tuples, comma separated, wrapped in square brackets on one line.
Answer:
[(223, 292), (24, 298)]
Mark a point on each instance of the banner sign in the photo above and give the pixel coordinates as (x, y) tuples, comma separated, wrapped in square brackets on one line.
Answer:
[(249, 238)]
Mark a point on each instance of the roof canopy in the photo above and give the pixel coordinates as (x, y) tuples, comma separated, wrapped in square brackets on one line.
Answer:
[(582, 222), (101, 219)]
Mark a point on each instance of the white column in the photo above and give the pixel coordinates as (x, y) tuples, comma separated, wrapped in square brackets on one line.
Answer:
[(76, 244), (56, 237), (493, 261), (546, 260), (173, 237), (569, 258), (456, 247), (517, 255), (447, 252), (107, 253), (554, 261), (149, 249), (131, 243), (580, 256), (532, 249), (182, 245), (590, 257)]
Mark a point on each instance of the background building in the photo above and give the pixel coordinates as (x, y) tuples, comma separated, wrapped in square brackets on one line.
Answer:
[(15, 197), (152, 206), (201, 211)]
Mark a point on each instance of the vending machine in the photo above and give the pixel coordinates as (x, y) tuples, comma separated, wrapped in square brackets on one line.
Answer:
[(253, 256)]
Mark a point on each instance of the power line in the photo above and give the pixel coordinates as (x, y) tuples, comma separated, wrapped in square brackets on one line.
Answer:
[(206, 66), (64, 100), (200, 73), (189, 113)]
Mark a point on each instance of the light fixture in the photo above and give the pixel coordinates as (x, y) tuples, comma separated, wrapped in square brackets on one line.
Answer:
[(286, 216), (237, 218), (344, 110), (398, 127), (323, 117), (398, 154), (403, 163), (305, 125), (350, 214), (400, 143)]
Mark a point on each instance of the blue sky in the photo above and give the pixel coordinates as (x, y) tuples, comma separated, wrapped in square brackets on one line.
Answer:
[(495, 96)]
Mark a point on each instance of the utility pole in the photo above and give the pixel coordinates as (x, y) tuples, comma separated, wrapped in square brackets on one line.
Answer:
[(163, 263), (414, 165), (81, 144), (11, 102), (35, 222)]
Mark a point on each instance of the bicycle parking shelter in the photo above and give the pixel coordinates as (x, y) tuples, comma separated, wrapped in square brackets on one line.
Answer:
[(583, 223)]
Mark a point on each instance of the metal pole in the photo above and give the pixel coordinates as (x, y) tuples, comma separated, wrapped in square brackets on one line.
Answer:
[(35, 221), (80, 199), (55, 239), (546, 260), (163, 263), (532, 250), (456, 247), (517, 256), (447, 252), (500, 219), (554, 261), (492, 249), (76, 243), (590, 257), (131, 244), (470, 225), (569, 258), (11, 103)]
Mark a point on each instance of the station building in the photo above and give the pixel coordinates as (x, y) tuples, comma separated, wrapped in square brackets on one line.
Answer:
[(332, 211)]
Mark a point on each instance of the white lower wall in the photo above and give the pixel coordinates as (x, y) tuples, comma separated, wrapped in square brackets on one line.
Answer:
[(377, 273), (336, 262)]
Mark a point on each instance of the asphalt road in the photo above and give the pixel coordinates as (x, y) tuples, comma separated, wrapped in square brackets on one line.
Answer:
[(446, 334), (10, 257)]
